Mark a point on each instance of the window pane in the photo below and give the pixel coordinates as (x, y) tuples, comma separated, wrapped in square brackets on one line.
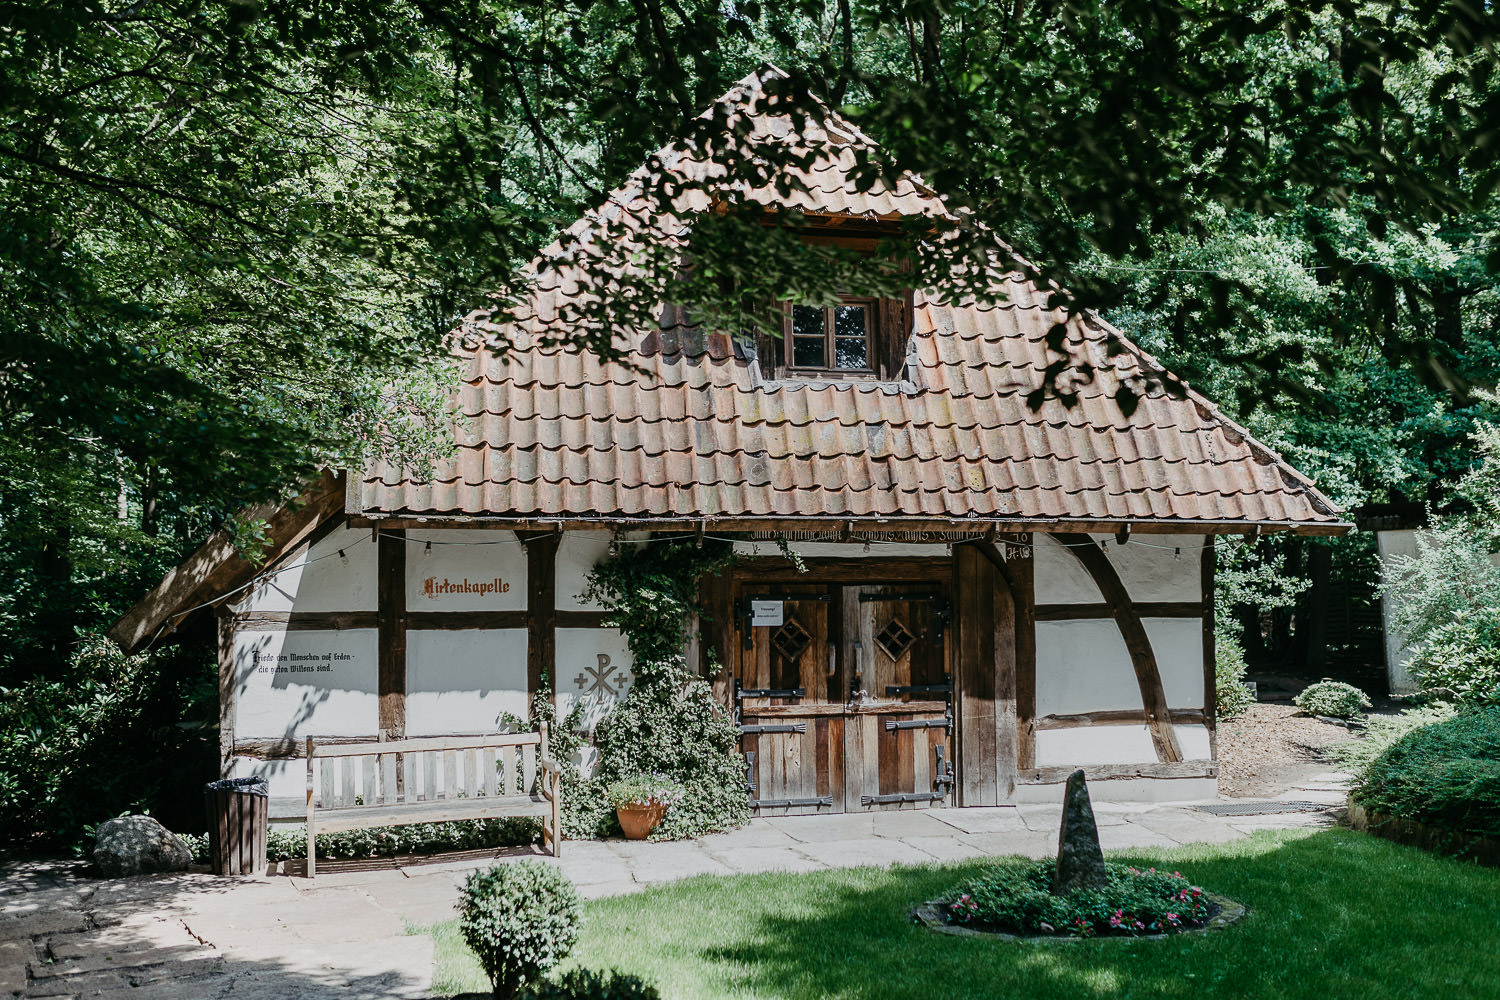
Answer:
[(849, 321), (807, 352), (849, 352), (807, 321)]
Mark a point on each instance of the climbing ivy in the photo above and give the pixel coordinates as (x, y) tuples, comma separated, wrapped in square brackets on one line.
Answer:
[(649, 589), (668, 722)]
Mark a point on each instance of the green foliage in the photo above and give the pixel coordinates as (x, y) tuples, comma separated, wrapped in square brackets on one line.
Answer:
[(1334, 699), (585, 814), (1380, 733), (1016, 898), (675, 728), (109, 734), (1448, 596), (645, 790), (650, 588), (286, 842), (1232, 696), (521, 919), (668, 724), (586, 984), (1446, 774)]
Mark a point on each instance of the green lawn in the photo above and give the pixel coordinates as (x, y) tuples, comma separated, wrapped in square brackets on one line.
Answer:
[(1334, 914)]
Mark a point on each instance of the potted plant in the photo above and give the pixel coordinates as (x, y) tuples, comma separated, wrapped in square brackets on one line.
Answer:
[(641, 801)]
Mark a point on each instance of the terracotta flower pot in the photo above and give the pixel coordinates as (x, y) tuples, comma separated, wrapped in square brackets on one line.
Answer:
[(638, 820)]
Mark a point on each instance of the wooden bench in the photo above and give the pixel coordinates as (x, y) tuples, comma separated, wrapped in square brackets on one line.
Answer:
[(356, 786)]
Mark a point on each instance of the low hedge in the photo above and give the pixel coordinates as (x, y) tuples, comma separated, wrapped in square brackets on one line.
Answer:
[(1446, 774), (285, 843)]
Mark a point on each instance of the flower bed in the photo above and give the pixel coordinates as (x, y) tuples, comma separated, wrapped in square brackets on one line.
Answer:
[(1017, 899)]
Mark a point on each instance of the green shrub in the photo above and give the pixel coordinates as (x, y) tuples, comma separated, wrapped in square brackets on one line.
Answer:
[(107, 735), (585, 984), (1381, 733), (1332, 698), (675, 728), (1445, 774), (1460, 658), (1448, 595), (285, 842), (520, 919), (1232, 696), (1016, 898)]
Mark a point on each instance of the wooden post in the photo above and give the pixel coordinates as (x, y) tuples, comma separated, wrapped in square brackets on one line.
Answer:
[(391, 588), (312, 826), (1023, 588), (1210, 651), (541, 610), (973, 585), (226, 691)]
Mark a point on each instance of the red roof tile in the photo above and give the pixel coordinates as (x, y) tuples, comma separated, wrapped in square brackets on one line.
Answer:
[(695, 431)]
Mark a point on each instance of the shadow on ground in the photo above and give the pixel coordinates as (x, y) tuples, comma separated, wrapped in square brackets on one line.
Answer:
[(1333, 914), (64, 933)]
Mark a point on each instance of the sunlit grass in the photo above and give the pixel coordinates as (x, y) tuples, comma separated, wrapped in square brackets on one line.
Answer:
[(1334, 914)]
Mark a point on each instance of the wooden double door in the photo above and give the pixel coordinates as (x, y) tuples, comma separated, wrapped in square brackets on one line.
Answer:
[(844, 696)]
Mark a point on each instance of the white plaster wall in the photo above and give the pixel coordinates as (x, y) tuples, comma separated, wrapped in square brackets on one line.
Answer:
[(1393, 545), (847, 550), (594, 666), (319, 579), (460, 681), (1128, 792), (1150, 567), (576, 556), (1059, 578), (1083, 666), (1152, 573), (1178, 645), (305, 683), (491, 563), (1087, 745)]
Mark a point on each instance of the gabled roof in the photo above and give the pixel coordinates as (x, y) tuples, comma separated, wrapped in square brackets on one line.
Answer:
[(690, 428)]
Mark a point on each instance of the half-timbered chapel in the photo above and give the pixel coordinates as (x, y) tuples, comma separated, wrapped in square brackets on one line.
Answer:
[(990, 594)]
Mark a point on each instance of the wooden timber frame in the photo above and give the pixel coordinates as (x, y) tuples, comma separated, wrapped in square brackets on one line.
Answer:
[(992, 581)]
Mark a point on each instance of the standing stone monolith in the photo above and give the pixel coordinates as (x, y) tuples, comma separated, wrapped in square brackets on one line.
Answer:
[(1080, 862)]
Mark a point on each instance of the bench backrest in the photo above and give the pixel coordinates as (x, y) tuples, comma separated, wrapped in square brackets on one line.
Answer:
[(351, 775)]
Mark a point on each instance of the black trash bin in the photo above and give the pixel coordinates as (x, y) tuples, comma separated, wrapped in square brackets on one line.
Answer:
[(239, 813)]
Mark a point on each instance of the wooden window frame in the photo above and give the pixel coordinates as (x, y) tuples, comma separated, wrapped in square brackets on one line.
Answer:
[(875, 310)]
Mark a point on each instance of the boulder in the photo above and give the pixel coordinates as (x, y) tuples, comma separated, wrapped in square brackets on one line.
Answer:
[(136, 845), (1080, 862)]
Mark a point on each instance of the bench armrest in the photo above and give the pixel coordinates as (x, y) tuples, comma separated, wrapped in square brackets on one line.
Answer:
[(550, 766)]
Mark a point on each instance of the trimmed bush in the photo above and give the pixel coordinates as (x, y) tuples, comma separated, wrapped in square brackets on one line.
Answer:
[(520, 919), (1232, 696), (1016, 898), (1381, 733), (1446, 774), (1334, 699), (585, 984)]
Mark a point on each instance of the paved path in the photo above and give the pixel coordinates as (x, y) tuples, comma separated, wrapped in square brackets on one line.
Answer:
[(349, 934)]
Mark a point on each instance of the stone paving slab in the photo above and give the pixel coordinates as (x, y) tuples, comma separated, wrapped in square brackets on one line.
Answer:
[(996, 819), (344, 934)]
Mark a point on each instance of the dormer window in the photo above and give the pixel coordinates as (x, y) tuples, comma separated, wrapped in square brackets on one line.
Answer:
[(837, 339), (858, 337)]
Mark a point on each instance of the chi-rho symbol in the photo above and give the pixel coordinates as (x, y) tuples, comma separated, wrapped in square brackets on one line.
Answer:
[(605, 679)]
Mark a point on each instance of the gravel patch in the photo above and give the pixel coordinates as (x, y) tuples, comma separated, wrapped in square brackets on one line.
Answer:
[(1271, 749)]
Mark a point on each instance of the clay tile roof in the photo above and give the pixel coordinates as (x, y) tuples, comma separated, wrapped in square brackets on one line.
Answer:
[(694, 431)]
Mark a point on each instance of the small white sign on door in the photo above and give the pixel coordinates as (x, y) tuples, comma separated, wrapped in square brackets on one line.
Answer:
[(767, 613)]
